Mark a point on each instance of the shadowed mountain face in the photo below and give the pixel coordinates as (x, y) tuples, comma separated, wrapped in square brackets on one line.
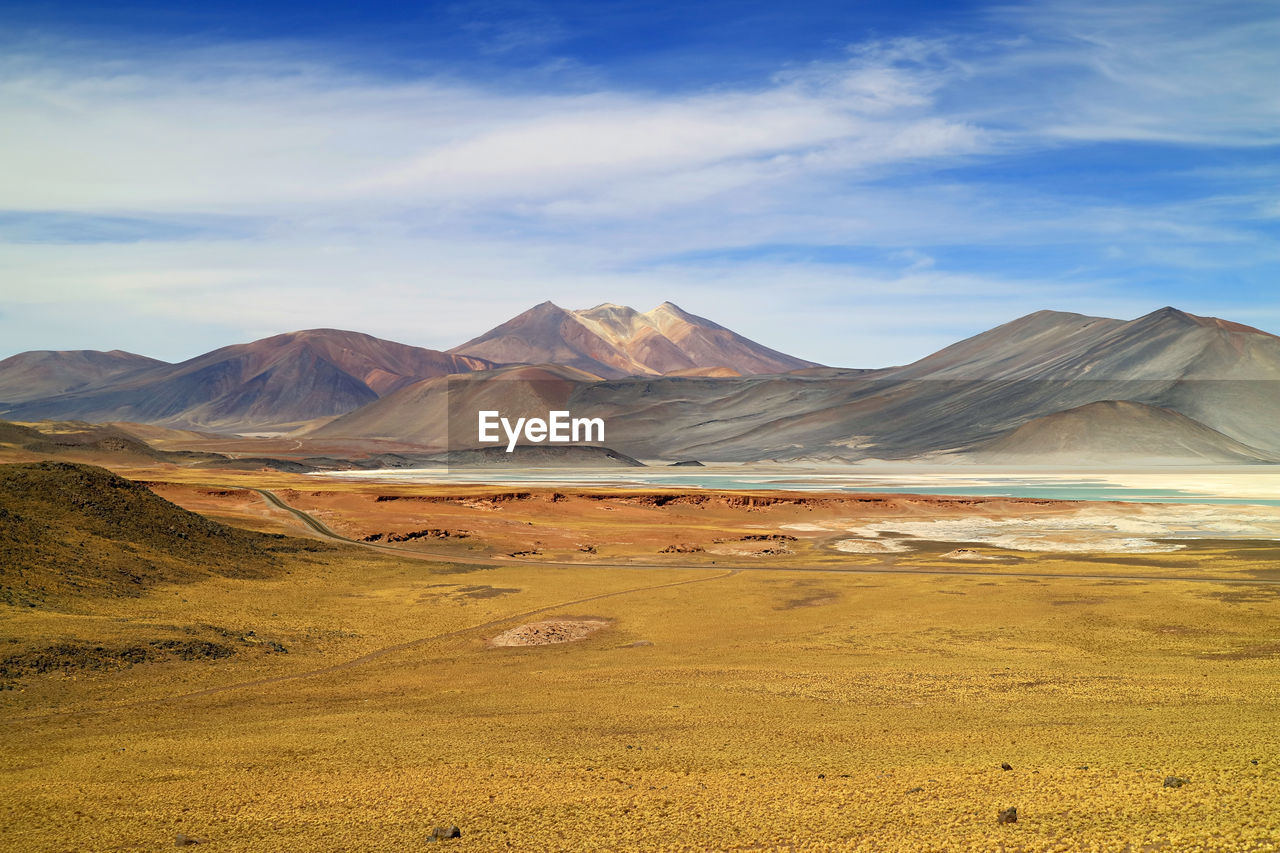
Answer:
[(613, 340), (46, 373), (273, 382)]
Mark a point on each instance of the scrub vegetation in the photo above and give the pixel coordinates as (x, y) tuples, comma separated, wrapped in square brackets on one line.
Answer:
[(332, 696)]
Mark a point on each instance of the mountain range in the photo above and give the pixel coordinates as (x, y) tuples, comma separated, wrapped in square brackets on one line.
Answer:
[(275, 382), (1167, 386)]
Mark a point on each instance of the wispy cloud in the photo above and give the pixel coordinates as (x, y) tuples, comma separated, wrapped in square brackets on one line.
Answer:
[(1181, 72)]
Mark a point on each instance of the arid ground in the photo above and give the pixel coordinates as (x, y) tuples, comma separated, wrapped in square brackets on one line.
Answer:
[(645, 670)]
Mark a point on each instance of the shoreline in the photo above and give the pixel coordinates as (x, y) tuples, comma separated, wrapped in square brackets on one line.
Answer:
[(1212, 485)]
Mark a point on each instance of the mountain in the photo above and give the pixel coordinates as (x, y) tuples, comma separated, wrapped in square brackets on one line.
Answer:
[(47, 373), (1217, 380), (611, 341), (673, 386), (1163, 345), (1117, 431), (1225, 375), (271, 383)]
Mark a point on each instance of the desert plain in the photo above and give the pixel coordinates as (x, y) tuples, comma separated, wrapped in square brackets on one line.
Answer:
[(649, 669)]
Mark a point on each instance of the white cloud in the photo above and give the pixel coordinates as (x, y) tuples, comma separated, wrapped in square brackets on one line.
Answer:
[(213, 133)]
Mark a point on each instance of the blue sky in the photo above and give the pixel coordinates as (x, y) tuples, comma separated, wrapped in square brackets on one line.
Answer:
[(855, 183)]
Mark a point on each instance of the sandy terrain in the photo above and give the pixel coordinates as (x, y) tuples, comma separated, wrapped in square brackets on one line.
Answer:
[(548, 632)]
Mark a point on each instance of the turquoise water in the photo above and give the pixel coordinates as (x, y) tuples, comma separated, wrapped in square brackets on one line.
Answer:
[(1050, 488)]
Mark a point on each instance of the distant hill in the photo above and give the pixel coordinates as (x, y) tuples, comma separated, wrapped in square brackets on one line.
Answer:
[(275, 382), (1117, 432), (46, 373), (76, 441), (613, 340), (70, 531)]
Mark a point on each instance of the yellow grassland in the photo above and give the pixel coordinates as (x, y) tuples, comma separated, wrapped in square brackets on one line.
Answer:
[(732, 703)]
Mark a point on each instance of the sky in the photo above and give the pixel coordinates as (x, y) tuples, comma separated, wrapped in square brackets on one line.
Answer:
[(854, 183)]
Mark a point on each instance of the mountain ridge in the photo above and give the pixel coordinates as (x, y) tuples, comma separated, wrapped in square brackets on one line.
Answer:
[(1224, 376), (35, 374), (280, 380)]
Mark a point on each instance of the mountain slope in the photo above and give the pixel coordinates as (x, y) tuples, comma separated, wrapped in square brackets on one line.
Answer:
[(46, 373), (1225, 375), (273, 382), (613, 341), (441, 412), (69, 531), (1109, 431)]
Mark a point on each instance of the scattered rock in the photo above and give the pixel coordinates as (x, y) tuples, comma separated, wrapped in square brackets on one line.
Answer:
[(440, 833), (917, 789), (682, 549), (427, 533), (549, 631), (185, 841), (1009, 815), (1174, 781), (1006, 766), (968, 554)]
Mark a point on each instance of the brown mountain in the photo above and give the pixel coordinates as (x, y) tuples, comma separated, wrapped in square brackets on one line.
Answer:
[(271, 383), (614, 340), (47, 373)]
